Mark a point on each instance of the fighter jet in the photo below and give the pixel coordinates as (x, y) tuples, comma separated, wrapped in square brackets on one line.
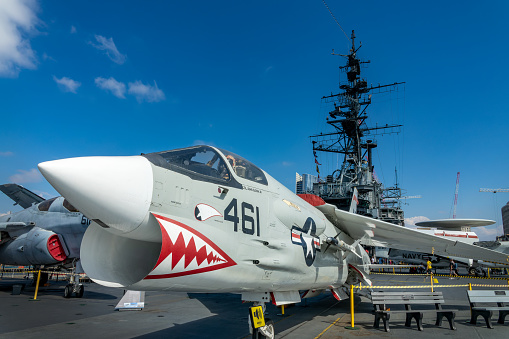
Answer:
[(203, 219), (46, 233)]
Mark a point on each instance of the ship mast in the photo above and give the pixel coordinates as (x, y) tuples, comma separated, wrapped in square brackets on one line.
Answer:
[(350, 138)]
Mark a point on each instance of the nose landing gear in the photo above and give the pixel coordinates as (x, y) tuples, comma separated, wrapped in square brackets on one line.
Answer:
[(74, 285), (256, 316)]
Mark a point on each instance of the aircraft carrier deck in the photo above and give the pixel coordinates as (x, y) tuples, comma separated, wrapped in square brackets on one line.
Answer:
[(183, 315)]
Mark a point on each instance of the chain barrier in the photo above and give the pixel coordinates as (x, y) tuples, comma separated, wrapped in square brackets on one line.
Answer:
[(20, 270), (440, 275)]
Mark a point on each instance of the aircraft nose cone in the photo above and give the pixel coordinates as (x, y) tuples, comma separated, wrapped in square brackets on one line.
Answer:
[(113, 191)]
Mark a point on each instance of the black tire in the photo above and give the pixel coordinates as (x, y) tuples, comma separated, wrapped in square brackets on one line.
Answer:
[(68, 291), (472, 271), (270, 325), (81, 290)]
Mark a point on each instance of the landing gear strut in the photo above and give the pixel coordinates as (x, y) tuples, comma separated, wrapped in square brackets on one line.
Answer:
[(74, 285), (266, 331)]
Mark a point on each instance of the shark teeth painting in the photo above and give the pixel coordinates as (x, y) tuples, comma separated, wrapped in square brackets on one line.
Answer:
[(185, 251)]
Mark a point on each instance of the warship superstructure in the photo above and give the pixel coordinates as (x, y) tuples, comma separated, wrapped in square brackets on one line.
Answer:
[(353, 138)]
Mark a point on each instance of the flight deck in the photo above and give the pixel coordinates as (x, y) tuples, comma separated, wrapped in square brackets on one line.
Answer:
[(192, 315)]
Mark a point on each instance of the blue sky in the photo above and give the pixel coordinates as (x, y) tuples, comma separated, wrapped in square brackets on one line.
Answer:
[(82, 78)]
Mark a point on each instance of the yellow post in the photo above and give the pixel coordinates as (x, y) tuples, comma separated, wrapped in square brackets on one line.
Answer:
[(508, 282), (431, 282), (351, 305), (488, 272), (37, 284), (470, 289), (393, 270), (282, 309)]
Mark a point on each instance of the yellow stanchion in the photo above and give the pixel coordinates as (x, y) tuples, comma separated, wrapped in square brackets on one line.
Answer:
[(393, 270), (488, 273), (470, 289), (431, 281), (37, 285), (351, 306), (282, 309), (352, 327)]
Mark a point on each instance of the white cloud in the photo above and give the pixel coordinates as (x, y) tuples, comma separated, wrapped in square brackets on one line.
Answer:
[(43, 194), (287, 163), (6, 154), (66, 84), (112, 85), (198, 142), (73, 29), (47, 57), (26, 176), (145, 92), (17, 23), (111, 50), (488, 233), (411, 221)]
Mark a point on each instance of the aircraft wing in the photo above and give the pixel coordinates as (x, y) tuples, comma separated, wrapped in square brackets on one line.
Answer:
[(21, 195), (395, 236), (12, 226)]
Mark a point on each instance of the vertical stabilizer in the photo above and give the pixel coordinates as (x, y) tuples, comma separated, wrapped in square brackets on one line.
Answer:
[(355, 201)]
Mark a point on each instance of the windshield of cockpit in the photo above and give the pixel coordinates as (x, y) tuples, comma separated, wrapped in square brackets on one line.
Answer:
[(244, 168), (202, 160)]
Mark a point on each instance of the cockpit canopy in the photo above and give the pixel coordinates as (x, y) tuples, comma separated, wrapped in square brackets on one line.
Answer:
[(58, 204), (206, 161), (244, 168)]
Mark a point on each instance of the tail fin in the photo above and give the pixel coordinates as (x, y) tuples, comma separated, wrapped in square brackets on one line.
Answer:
[(20, 195), (355, 201)]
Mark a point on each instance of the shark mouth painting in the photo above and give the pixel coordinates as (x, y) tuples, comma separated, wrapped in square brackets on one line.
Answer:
[(185, 251)]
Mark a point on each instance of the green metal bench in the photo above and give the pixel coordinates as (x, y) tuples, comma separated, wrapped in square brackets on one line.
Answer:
[(484, 302), (381, 301)]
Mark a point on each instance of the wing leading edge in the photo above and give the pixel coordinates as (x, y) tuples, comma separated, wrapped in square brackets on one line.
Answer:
[(377, 232)]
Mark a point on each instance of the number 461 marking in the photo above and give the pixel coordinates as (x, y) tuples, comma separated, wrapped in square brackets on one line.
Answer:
[(248, 217)]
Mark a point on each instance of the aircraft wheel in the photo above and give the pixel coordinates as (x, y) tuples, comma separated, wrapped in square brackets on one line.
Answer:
[(81, 290), (472, 271), (266, 331), (68, 291)]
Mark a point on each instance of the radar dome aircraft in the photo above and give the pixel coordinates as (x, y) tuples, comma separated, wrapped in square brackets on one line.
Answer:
[(202, 219), (46, 233)]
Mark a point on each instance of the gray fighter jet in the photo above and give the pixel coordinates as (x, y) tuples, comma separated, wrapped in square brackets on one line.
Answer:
[(202, 219), (46, 233)]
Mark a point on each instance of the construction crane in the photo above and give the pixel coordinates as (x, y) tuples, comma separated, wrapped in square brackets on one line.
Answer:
[(456, 195), (494, 190)]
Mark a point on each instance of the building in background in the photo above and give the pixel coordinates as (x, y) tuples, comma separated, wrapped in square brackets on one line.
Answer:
[(304, 183), (505, 218)]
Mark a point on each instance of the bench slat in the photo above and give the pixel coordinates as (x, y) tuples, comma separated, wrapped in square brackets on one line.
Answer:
[(408, 302), (488, 293), (400, 293), (491, 308), (405, 297), (416, 311)]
